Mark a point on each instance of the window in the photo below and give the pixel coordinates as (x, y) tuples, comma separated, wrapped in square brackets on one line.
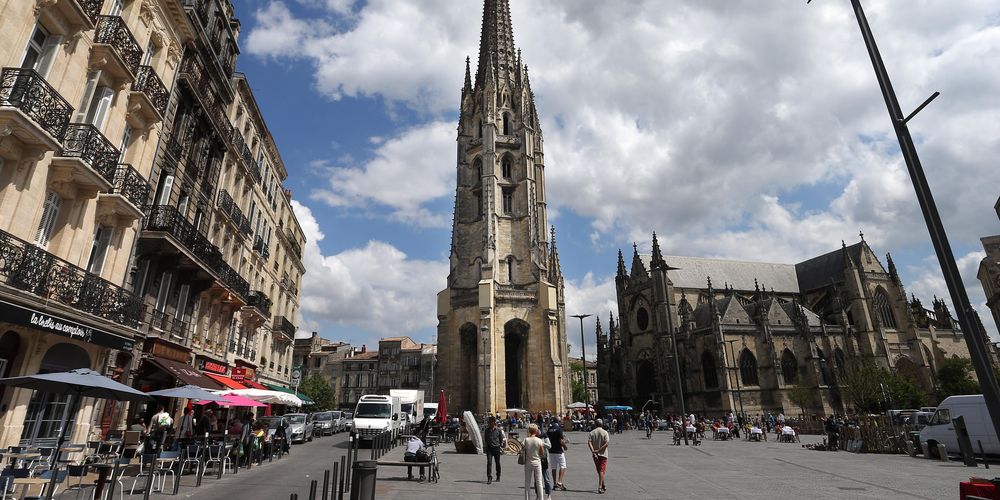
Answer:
[(182, 300), (942, 416), (479, 133), (116, 7), (151, 50), (884, 309), (510, 269), (47, 224), (126, 139), (41, 50), (99, 250), (506, 168), (478, 170), (164, 293), (709, 372), (508, 201), (789, 367), (96, 102), (748, 368), (163, 190), (642, 319), (506, 124)]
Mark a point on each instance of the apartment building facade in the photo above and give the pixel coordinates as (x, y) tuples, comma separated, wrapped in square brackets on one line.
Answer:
[(83, 98)]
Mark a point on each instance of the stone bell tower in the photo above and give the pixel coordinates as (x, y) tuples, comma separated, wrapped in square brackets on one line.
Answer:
[(501, 321)]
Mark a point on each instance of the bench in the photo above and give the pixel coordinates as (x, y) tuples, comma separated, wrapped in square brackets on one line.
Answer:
[(394, 463)]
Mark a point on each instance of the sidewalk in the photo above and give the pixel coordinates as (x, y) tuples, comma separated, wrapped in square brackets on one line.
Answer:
[(645, 469)]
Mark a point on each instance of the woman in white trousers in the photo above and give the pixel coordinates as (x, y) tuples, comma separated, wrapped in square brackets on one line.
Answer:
[(533, 450)]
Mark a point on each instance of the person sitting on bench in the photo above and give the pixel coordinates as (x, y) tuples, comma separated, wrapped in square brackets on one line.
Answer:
[(415, 452)]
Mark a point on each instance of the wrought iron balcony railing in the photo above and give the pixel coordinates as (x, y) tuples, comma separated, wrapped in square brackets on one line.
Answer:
[(282, 324), (167, 219), (92, 8), (293, 244), (147, 82), (168, 323), (84, 141), (27, 91), (111, 30), (130, 184), (260, 301), (29, 268), (229, 207)]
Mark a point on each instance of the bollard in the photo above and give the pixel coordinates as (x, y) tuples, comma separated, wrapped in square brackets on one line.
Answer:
[(363, 476), (343, 478), (312, 490), (942, 452), (983, 454), (326, 483), (926, 449)]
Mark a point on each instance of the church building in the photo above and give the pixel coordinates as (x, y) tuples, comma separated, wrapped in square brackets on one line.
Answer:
[(501, 320), (748, 333)]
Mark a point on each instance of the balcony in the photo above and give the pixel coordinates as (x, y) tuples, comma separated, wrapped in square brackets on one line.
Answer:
[(122, 205), (281, 324), (166, 326), (86, 164), (39, 273), (193, 74), (149, 98), (115, 50), (184, 235), (260, 305), (233, 214), (70, 16), (33, 110), (260, 246)]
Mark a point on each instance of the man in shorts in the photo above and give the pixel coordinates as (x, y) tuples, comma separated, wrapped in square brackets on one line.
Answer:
[(598, 442), (557, 455)]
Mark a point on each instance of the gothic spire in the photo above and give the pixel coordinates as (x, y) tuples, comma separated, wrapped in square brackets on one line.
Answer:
[(554, 269), (656, 262), (467, 88), (622, 273), (496, 42), (892, 268), (848, 261), (638, 267)]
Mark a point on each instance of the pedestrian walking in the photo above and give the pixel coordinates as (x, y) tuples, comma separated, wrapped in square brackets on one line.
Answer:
[(598, 442), (546, 476), (495, 441), (557, 455), (531, 456)]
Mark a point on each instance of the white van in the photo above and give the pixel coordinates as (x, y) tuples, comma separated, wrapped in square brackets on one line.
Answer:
[(977, 420), (375, 414)]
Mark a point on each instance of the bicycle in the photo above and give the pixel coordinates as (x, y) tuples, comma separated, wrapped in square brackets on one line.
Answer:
[(434, 474)]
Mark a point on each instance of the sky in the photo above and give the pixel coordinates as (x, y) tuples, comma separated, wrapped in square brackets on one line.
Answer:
[(741, 130)]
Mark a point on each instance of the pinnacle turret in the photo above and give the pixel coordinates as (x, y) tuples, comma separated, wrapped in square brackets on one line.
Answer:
[(496, 43), (657, 262), (467, 88)]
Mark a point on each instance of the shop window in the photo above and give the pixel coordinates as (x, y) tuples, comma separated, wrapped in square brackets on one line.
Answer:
[(45, 411)]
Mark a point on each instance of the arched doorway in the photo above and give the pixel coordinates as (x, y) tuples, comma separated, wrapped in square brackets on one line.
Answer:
[(645, 380), (46, 410), (515, 343), (469, 339)]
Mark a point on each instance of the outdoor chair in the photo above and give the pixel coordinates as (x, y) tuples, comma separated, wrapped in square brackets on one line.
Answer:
[(7, 479), (78, 472), (219, 455), (146, 467), (42, 462), (123, 465), (192, 455), (165, 465), (60, 478)]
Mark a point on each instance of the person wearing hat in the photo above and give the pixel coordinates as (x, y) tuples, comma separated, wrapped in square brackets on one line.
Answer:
[(598, 441)]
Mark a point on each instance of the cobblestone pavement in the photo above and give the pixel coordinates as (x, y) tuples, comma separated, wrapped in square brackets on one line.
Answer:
[(638, 468)]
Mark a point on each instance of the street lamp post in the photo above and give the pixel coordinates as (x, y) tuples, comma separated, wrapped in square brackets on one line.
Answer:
[(732, 363), (975, 337), (486, 387), (583, 354)]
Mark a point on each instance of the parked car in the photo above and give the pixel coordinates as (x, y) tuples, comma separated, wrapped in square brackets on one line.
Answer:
[(300, 427), (339, 420), (349, 420), (328, 422)]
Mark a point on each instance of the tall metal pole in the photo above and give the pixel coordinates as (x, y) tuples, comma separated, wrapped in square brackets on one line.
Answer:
[(486, 386), (732, 362), (967, 318), (583, 354)]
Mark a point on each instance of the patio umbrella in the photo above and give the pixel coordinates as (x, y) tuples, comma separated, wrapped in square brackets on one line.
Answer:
[(188, 392), (80, 383), (578, 406), (442, 407), (232, 400), (262, 396)]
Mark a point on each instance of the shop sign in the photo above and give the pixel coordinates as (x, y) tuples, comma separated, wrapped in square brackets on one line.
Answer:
[(239, 373), (212, 366), (49, 323), (169, 352)]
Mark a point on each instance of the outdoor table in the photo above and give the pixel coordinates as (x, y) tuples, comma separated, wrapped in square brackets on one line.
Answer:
[(28, 482), (723, 430), (13, 457), (691, 429)]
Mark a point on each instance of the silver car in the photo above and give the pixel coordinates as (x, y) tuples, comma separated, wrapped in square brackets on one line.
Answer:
[(328, 422), (300, 427)]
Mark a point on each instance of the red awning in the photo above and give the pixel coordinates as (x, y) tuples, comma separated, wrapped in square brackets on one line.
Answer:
[(186, 373), (253, 385), (226, 381)]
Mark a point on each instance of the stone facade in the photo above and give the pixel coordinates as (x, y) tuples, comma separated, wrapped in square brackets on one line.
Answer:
[(501, 320), (83, 96), (989, 274), (587, 377), (749, 332)]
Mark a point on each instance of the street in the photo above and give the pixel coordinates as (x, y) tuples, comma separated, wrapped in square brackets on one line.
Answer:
[(638, 468)]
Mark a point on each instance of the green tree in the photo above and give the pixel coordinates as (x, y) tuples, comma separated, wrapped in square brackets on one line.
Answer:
[(576, 384), (802, 397), (954, 379), (320, 390), (870, 388)]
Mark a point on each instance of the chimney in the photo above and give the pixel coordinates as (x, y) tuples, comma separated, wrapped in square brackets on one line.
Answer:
[(364, 348)]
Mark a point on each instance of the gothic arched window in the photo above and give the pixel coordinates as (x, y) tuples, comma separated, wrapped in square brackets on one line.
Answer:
[(506, 167), (477, 167), (479, 130), (789, 367), (506, 124), (510, 269), (824, 368), (708, 370), (883, 309), (748, 367)]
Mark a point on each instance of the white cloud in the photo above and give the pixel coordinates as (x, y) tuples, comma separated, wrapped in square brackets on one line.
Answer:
[(928, 283), (589, 295), (405, 173), (376, 288)]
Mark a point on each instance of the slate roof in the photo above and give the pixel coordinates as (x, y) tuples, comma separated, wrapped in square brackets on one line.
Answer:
[(818, 272), (693, 271)]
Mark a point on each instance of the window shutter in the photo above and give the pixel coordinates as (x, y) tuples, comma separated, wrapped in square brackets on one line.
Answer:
[(168, 184), (49, 50), (50, 211), (99, 252), (88, 96), (182, 300), (164, 293), (100, 107)]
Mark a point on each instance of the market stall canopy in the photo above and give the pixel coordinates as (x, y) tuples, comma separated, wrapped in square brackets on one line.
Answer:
[(188, 392), (618, 408), (306, 400), (269, 397), (578, 406)]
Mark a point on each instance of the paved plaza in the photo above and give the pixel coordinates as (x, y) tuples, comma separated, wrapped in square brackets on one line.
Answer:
[(638, 468)]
